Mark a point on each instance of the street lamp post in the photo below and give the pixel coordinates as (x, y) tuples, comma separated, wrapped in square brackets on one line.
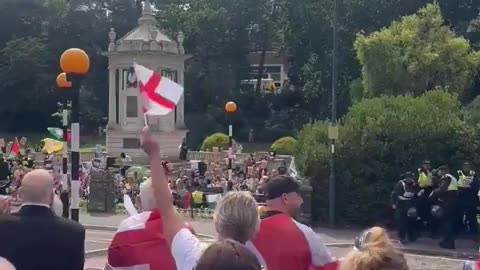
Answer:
[(75, 63), (230, 108), (333, 129), (62, 83)]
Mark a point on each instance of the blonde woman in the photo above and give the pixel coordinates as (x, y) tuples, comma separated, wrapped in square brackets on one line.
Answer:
[(374, 250)]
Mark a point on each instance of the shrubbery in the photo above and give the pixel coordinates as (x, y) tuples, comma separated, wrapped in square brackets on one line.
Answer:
[(284, 146), (380, 139), (219, 140)]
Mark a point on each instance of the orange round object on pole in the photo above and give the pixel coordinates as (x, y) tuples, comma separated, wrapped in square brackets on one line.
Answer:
[(75, 61), (230, 107), (62, 81)]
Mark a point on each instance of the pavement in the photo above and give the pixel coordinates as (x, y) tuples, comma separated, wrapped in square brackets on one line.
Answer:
[(333, 238), (96, 260)]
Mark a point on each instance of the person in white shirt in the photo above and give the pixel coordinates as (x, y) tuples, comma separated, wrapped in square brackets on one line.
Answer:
[(126, 163), (235, 217)]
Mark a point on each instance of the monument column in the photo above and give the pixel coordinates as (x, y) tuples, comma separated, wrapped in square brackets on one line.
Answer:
[(180, 106), (112, 104)]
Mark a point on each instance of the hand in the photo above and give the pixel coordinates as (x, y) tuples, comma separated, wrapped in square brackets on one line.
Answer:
[(149, 144), (394, 207), (420, 193), (5, 205)]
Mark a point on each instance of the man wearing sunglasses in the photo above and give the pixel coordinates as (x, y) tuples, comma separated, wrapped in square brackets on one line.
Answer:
[(283, 242)]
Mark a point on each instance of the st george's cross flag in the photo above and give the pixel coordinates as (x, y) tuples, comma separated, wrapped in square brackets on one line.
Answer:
[(159, 94)]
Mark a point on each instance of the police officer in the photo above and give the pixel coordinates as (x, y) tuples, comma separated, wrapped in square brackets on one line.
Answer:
[(446, 195), (467, 199), (425, 184), (403, 201)]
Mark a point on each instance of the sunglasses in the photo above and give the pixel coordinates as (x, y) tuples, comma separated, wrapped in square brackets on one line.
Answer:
[(361, 240)]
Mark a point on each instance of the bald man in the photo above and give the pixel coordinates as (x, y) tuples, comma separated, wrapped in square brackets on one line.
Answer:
[(35, 238), (6, 265)]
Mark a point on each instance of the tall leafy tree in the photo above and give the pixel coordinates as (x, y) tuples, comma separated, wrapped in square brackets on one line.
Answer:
[(415, 55)]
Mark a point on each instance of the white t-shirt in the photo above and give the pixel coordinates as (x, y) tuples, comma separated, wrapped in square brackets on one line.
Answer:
[(186, 249), (126, 161)]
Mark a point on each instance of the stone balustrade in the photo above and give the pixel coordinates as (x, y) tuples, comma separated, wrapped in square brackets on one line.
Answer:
[(221, 156), (84, 156)]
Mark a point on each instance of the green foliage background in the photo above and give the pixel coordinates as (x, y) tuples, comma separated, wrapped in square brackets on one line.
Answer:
[(380, 139), (219, 140), (285, 146)]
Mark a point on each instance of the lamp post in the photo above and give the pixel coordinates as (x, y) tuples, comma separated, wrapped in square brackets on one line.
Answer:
[(62, 83), (230, 108), (75, 63), (333, 128)]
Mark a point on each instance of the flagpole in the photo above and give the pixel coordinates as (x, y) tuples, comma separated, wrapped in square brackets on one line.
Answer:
[(64, 196), (75, 183), (75, 63), (230, 151), (230, 108)]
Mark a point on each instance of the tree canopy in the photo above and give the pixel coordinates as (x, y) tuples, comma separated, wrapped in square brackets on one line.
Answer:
[(220, 35), (414, 55)]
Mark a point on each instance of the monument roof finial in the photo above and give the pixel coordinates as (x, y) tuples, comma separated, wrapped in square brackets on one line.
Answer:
[(148, 17)]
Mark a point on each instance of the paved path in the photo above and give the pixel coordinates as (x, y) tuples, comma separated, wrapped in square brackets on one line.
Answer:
[(415, 262), (333, 237)]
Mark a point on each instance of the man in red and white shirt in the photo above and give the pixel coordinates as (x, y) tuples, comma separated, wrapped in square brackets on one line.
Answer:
[(282, 242), (139, 242)]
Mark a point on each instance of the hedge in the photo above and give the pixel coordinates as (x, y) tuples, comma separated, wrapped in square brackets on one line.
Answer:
[(284, 146), (380, 139), (219, 140)]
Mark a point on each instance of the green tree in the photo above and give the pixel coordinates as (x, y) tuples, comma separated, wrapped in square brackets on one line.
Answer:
[(416, 54), (381, 138)]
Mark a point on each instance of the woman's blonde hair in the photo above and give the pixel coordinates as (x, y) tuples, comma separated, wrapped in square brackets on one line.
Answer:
[(236, 216), (374, 252)]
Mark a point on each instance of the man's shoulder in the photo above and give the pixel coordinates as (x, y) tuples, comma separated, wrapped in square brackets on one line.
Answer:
[(70, 224)]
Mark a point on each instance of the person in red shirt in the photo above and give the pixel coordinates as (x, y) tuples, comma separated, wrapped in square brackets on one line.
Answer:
[(282, 242)]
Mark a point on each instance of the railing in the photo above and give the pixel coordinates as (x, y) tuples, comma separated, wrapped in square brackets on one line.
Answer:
[(84, 156), (221, 155)]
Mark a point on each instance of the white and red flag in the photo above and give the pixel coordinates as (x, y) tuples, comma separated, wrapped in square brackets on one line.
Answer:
[(159, 94)]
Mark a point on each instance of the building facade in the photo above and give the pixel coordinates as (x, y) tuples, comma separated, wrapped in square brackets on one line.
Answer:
[(148, 46)]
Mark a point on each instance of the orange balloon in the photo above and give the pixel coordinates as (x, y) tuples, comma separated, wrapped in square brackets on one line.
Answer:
[(62, 81), (75, 61), (230, 107)]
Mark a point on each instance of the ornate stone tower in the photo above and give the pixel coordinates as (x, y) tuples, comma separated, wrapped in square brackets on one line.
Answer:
[(150, 47)]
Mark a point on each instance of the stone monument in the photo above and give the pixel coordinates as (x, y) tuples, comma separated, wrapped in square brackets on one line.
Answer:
[(149, 46), (102, 192)]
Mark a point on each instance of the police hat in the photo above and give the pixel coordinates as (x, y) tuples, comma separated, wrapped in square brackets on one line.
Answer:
[(408, 175)]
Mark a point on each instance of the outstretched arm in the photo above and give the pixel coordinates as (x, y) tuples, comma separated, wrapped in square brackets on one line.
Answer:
[(172, 222)]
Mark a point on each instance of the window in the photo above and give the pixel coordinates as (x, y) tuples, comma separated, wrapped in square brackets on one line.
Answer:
[(124, 75), (171, 74), (132, 106), (269, 72), (131, 143)]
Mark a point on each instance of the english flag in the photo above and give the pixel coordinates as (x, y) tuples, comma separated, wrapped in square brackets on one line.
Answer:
[(139, 244), (15, 148), (159, 94)]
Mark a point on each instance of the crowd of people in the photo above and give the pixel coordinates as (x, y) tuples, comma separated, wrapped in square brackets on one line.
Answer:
[(245, 240), (437, 202)]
